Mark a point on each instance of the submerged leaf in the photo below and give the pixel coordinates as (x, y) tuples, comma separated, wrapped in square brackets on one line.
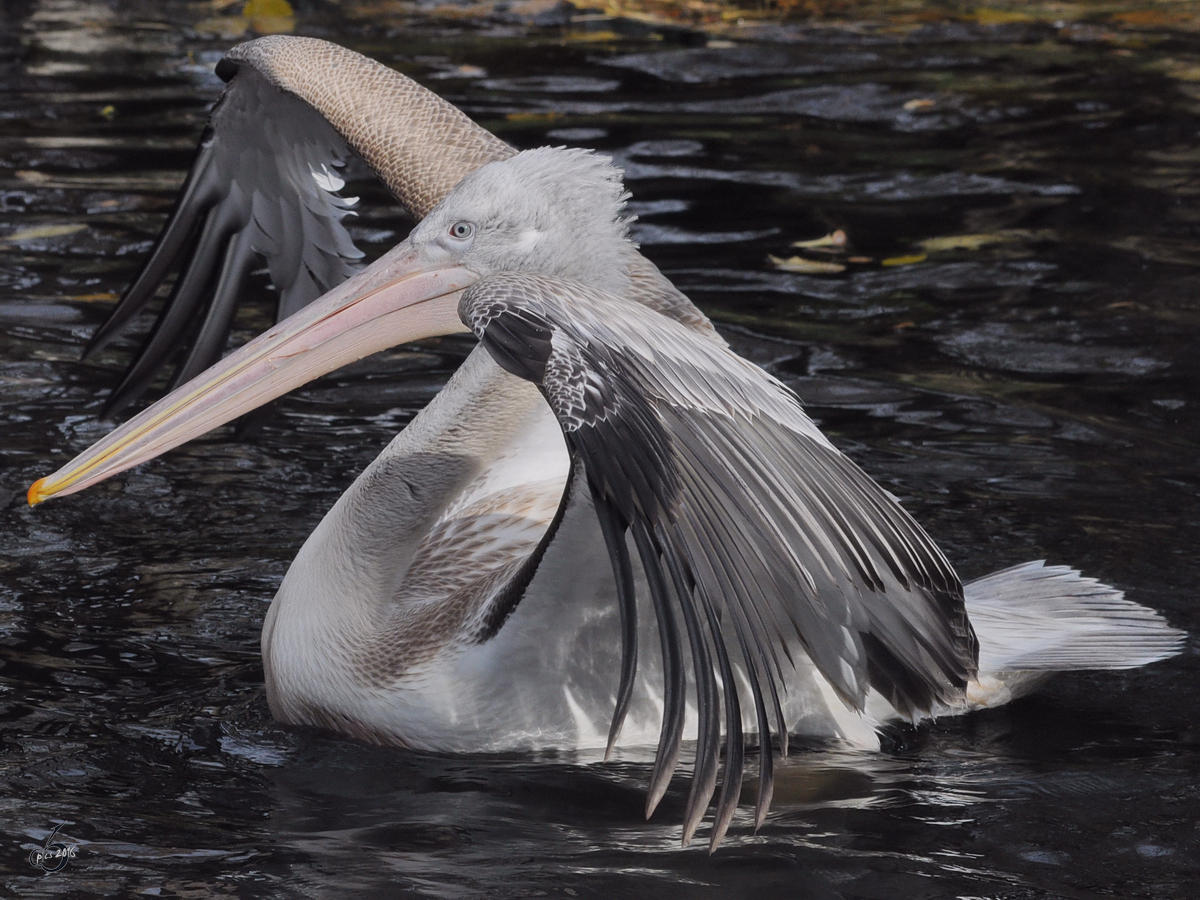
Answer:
[(43, 231), (834, 239), (806, 266), (904, 260), (966, 241)]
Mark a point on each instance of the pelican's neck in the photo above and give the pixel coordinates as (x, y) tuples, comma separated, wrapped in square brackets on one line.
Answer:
[(420, 145), (407, 561)]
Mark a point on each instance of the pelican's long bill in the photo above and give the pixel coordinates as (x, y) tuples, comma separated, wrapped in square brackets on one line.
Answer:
[(395, 300)]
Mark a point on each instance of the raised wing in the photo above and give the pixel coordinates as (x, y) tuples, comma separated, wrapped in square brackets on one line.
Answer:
[(262, 187), (756, 534)]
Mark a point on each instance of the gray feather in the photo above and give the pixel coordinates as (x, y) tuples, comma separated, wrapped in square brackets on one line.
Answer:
[(1035, 617), (772, 535)]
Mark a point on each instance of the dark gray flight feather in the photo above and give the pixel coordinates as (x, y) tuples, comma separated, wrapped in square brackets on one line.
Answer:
[(753, 530), (253, 193)]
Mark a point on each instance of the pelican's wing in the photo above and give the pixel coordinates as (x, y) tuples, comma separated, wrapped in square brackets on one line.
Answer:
[(262, 187), (755, 532)]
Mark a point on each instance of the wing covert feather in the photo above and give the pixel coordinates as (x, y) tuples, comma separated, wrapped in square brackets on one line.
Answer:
[(771, 536)]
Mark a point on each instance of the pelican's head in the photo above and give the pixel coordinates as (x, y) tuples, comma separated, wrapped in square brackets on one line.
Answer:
[(550, 211)]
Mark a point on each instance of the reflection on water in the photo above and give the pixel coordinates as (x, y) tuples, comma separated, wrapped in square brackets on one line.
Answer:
[(1009, 348)]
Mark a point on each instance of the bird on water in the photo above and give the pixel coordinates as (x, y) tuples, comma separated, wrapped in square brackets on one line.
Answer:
[(607, 526)]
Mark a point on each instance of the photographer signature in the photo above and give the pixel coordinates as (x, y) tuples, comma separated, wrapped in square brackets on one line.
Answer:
[(54, 856)]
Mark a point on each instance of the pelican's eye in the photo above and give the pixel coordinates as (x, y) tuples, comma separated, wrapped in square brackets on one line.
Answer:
[(461, 230)]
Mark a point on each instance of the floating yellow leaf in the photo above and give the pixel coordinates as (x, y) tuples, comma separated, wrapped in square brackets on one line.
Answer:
[(806, 266), (1001, 17), (43, 231), (1149, 17), (255, 8), (904, 260), (106, 297), (593, 37), (919, 105), (269, 16), (108, 112), (742, 15), (964, 241), (835, 239), (533, 117), (1180, 71)]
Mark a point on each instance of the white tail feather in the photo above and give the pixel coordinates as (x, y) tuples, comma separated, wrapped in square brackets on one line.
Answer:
[(1039, 618)]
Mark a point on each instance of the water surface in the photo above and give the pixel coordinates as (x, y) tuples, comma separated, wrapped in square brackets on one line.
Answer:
[(1011, 349)]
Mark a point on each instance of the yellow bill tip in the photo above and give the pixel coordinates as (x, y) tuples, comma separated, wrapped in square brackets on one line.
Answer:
[(36, 495)]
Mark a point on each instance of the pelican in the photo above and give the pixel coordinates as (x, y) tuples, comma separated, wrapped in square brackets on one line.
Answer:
[(607, 526)]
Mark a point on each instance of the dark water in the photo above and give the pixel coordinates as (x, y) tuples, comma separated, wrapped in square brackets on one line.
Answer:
[(1029, 394)]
